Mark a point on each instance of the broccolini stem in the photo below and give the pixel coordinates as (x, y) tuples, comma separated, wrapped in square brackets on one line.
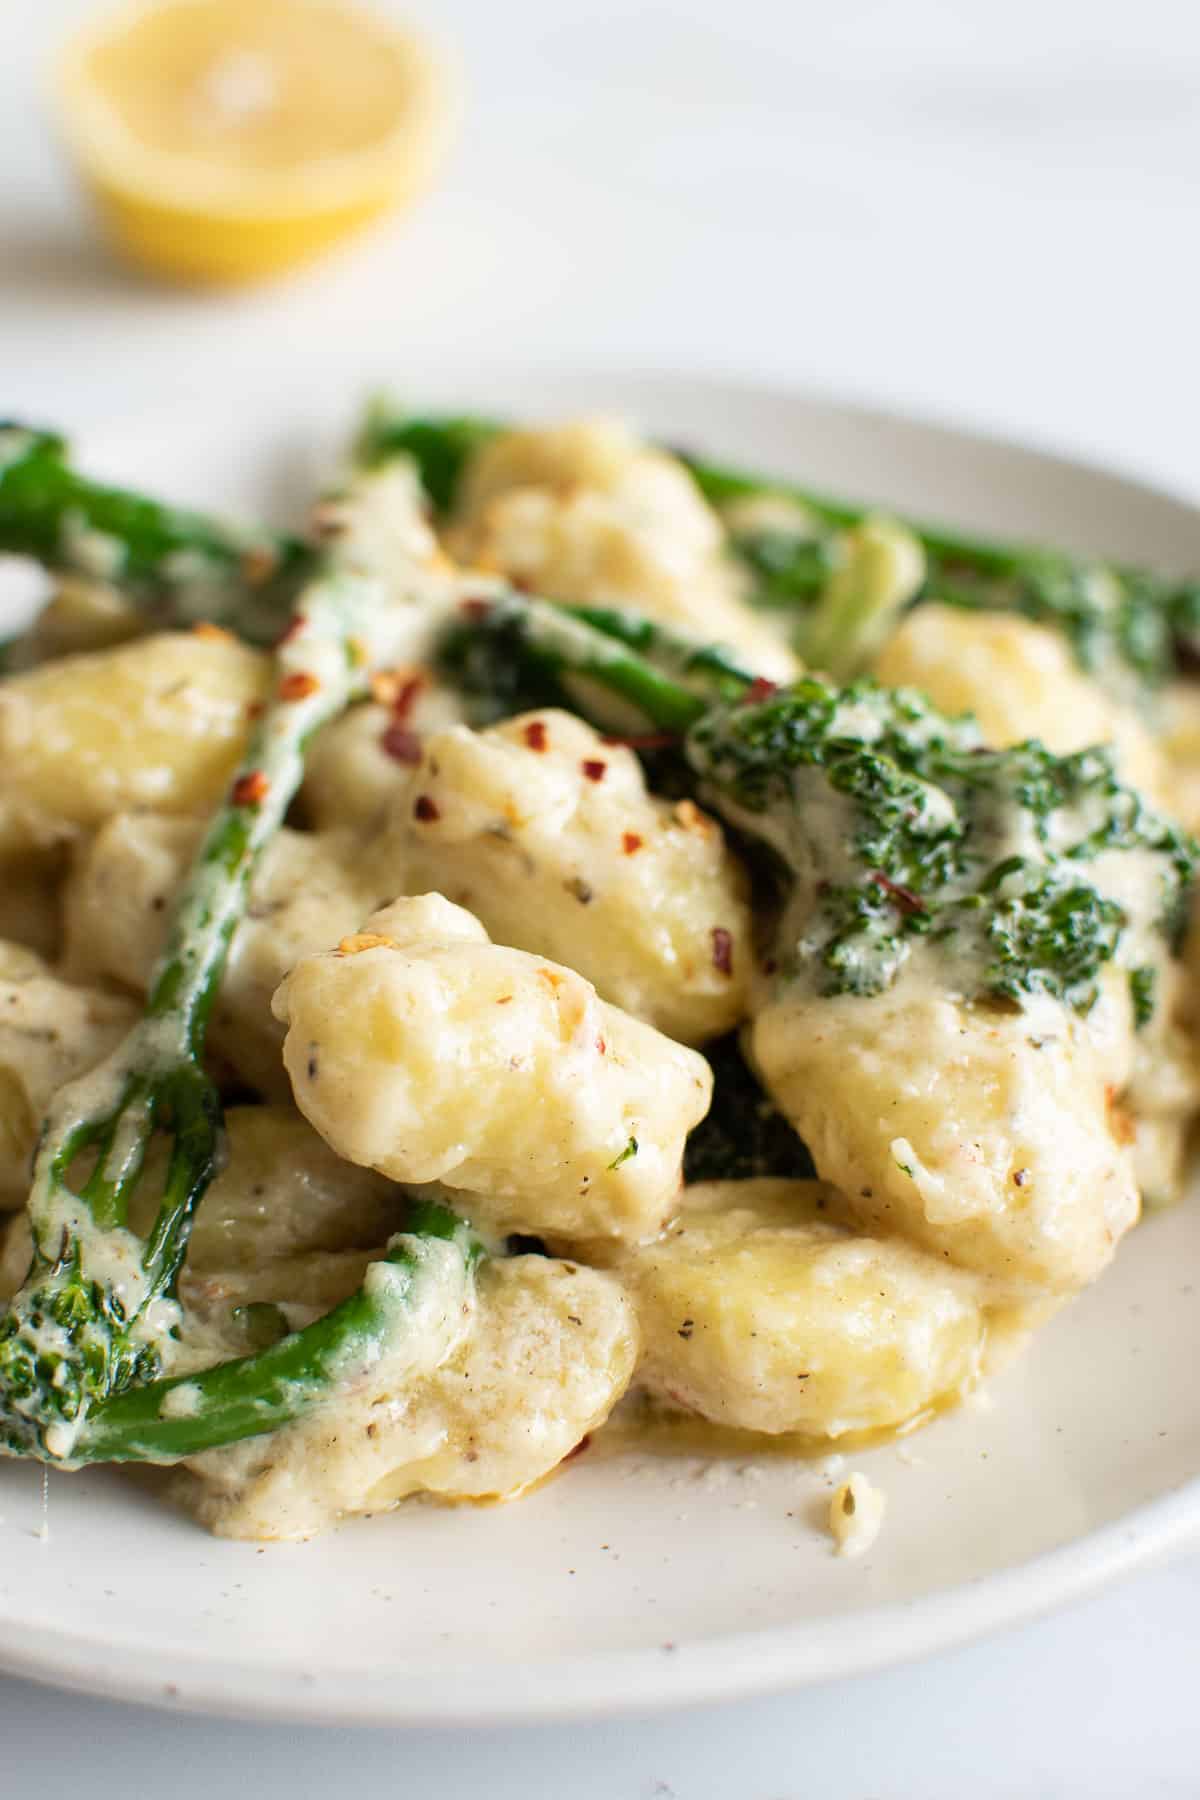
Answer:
[(441, 446), (178, 565), (95, 1313), (187, 1414), (560, 640), (1129, 626), (709, 668)]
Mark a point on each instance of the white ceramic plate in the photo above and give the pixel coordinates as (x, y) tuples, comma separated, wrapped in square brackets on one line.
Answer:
[(636, 1582)]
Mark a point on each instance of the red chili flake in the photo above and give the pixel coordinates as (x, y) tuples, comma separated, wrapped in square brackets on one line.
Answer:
[(902, 898), (298, 686), (722, 950), (396, 691), (646, 740), (631, 842), (401, 744), (535, 734), (476, 607), (406, 696), (601, 1045), (760, 689), (594, 769), (250, 790), (425, 809)]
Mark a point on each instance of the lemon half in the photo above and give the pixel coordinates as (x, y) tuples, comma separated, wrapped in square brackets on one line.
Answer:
[(225, 140)]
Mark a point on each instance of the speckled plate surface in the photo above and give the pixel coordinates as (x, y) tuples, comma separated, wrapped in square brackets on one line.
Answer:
[(634, 1580)]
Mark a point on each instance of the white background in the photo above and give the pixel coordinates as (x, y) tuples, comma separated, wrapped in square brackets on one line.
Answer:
[(979, 210)]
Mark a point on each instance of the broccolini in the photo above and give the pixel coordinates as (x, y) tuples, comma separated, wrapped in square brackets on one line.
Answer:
[(895, 824), (1129, 627), (178, 565), (96, 1316)]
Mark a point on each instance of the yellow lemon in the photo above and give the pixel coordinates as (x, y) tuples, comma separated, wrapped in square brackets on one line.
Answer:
[(227, 139)]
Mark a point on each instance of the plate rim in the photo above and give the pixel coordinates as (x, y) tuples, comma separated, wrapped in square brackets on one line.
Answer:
[(625, 1683), (727, 1666)]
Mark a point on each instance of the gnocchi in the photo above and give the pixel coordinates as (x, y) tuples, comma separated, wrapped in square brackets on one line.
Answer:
[(158, 723), (546, 832), (991, 1138), (421, 1049), (309, 890), (586, 512), (761, 1310), (50, 1032), (549, 1351)]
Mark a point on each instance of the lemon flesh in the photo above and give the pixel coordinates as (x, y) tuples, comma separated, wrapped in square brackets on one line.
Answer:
[(228, 139)]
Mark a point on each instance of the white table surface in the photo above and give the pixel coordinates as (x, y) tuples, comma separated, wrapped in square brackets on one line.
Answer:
[(980, 211)]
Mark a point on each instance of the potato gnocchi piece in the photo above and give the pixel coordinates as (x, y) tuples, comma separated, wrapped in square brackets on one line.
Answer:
[(158, 723), (422, 1049), (1163, 1093), (308, 891), (1021, 681), (351, 776), (283, 1194), (16, 1252), (50, 1032), (758, 1310), (991, 1138), (548, 1352), (587, 512), (547, 834), (81, 615)]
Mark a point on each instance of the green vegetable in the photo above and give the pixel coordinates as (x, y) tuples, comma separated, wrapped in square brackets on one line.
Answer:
[(504, 671), (440, 446), (255, 1394), (900, 824), (624, 1156), (878, 572), (96, 1313), (743, 1135), (1142, 983), (517, 646), (1129, 627), (895, 824), (178, 565)]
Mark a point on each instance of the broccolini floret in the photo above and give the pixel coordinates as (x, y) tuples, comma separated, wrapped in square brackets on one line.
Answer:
[(743, 1135), (897, 824)]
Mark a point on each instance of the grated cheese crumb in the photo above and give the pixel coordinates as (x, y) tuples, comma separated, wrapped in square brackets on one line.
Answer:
[(855, 1515)]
